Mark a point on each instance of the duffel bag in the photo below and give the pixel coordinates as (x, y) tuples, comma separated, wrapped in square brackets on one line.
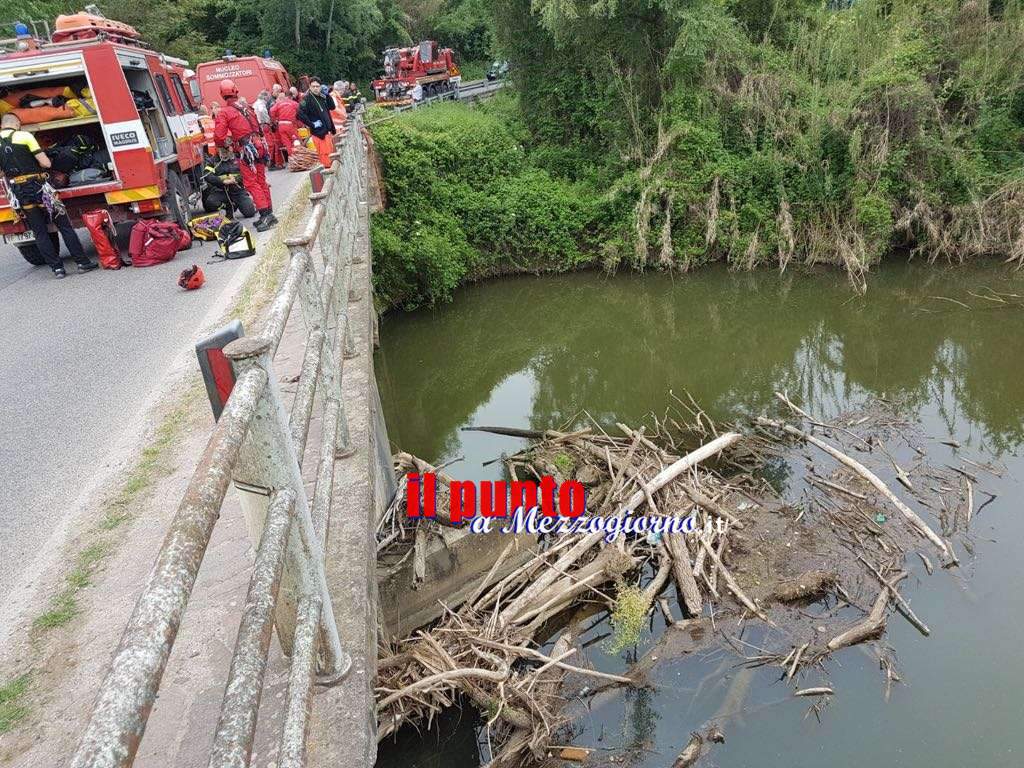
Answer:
[(156, 242)]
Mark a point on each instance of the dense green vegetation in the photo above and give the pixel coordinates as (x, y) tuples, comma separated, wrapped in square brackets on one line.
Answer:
[(465, 200), (758, 132), (332, 38)]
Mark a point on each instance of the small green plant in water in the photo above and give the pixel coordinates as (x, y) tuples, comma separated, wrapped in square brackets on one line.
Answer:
[(627, 618), (12, 710)]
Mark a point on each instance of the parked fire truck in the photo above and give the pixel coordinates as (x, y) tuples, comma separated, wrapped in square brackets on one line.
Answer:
[(93, 92), (251, 74), (426, 65)]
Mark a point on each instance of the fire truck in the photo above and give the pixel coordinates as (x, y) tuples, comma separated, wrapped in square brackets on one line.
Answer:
[(93, 92), (251, 74), (426, 65)]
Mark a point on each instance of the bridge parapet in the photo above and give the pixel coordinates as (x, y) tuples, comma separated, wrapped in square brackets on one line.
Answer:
[(311, 544)]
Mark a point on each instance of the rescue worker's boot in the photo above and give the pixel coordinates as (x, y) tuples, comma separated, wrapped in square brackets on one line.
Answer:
[(262, 223)]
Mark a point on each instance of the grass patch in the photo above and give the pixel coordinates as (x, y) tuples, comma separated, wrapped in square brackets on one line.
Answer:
[(12, 707)]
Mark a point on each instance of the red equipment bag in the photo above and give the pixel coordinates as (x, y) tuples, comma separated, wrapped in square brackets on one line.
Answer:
[(154, 242), (101, 230)]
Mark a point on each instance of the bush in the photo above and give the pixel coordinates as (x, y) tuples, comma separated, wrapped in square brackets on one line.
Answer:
[(465, 201)]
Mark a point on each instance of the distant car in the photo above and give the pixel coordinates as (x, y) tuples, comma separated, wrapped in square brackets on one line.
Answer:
[(498, 71)]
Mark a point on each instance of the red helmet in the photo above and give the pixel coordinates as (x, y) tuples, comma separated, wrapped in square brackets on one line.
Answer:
[(192, 278), (228, 89)]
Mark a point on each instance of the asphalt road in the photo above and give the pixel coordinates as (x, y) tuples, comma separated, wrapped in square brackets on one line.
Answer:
[(79, 358)]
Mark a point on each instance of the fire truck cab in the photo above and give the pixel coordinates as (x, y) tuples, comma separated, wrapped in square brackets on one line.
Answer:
[(251, 74), (117, 115)]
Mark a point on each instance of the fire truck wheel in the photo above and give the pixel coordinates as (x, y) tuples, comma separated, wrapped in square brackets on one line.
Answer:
[(177, 199), (31, 253)]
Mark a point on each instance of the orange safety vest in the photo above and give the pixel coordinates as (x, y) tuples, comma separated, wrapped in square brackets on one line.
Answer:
[(338, 114), (207, 124)]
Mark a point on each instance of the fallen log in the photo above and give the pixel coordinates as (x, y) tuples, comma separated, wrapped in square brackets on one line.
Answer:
[(682, 572), (870, 626)]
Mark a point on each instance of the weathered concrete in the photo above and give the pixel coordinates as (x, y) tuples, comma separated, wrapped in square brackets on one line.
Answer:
[(456, 561)]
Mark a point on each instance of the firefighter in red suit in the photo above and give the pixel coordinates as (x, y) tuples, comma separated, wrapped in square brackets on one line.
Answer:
[(236, 128), (284, 114)]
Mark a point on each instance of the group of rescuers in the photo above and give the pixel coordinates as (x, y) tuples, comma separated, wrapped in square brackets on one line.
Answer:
[(242, 141), (263, 134)]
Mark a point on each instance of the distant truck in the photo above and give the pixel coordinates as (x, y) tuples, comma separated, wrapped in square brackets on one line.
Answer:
[(432, 68), (251, 75), (118, 114)]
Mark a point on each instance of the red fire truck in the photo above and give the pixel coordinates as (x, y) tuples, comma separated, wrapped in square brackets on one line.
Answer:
[(93, 88), (251, 75), (432, 68)]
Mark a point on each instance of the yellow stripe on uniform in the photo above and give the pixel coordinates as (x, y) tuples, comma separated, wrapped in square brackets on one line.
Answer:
[(133, 195)]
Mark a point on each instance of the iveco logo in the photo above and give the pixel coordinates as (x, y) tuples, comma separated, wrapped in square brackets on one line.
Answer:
[(124, 138)]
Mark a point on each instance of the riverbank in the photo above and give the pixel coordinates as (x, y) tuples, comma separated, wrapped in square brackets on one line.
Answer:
[(732, 132)]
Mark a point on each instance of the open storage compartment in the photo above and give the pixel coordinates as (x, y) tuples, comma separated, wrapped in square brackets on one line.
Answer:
[(61, 112)]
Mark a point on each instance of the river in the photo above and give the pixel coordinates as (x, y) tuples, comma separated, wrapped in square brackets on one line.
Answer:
[(537, 351)]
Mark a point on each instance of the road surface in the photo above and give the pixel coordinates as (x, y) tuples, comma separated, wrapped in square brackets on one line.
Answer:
[(78, 361)]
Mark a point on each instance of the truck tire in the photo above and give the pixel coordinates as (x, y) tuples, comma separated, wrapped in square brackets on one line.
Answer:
[(177, 199), (30, 252)]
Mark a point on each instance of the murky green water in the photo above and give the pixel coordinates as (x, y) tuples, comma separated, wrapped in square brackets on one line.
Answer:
[(534, 352)]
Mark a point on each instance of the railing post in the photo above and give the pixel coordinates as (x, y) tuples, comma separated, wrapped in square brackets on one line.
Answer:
[(268, 462)]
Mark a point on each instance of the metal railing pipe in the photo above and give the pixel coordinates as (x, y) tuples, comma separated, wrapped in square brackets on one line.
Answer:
[(129, 690), (268, 462), (295, 733), (232, 744), (281, 307)]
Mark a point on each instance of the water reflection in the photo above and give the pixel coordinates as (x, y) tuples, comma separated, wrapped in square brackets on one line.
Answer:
[(617, 347)]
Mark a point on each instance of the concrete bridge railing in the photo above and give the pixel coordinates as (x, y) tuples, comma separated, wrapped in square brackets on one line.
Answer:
[(259, 445)]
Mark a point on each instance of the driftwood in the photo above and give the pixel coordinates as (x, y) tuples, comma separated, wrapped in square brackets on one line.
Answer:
[(922, 527), (870, 626), (488, 650), (682, 572)]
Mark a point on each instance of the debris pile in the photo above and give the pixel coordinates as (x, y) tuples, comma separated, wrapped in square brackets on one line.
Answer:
[(802, 527)]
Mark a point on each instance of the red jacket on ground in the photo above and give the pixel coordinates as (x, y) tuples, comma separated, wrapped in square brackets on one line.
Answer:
[(231, 122)]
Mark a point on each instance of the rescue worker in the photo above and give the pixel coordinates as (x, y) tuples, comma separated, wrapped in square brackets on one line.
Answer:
[(353, 97), (284, 115), (24, 164), (222, 187), (237, 129), (206, 123), (315, 114), (261, 108), (338, 112)]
